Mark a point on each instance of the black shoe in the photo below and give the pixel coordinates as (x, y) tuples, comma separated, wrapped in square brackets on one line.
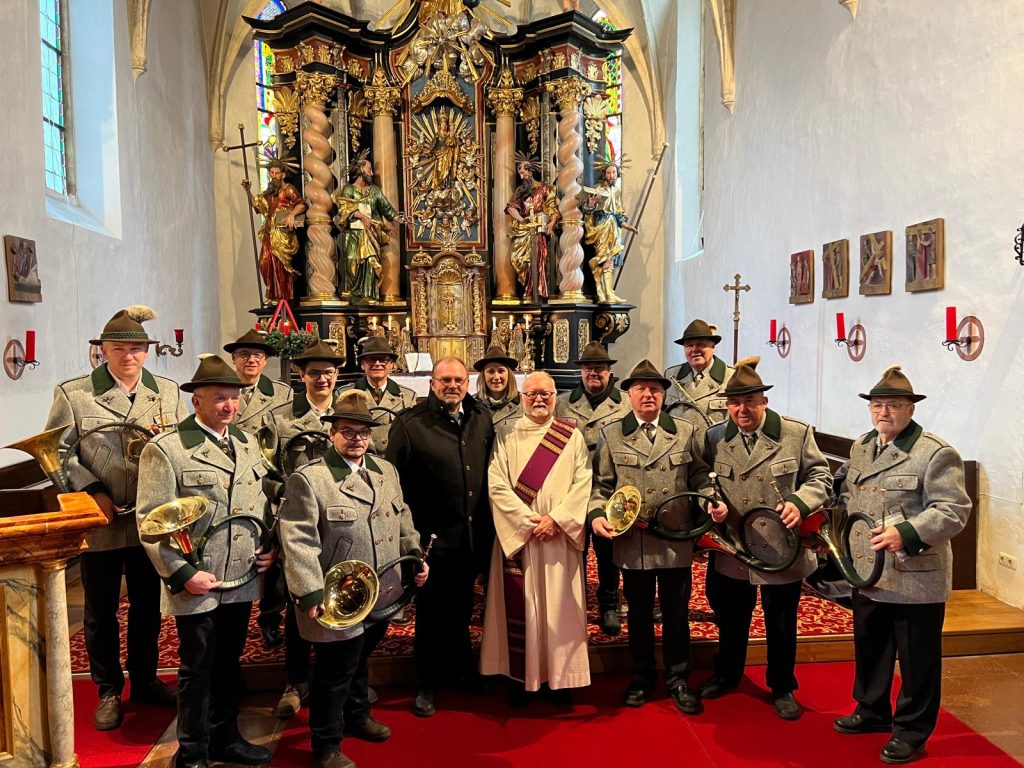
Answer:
[(561, 698), (240, 751), (896, 752), (179, 763), (610, 623), (636, 696), (155, 692), (423, 706), (855, 724), (371, 729), (686, 701), (518, 697), (273, 637), (108, 713), (787, 707), (715, 687)]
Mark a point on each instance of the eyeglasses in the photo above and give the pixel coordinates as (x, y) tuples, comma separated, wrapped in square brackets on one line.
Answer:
[(328, 374), (538, 395), (374, 360), (251, 355), (355, 434), (887, 406), (446, 380)]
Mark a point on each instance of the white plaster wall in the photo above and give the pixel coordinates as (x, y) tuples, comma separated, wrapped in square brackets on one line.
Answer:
[(844, 127), (163, 251)]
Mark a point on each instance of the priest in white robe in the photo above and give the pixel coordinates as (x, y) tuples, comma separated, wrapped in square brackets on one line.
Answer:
[(535, 627)]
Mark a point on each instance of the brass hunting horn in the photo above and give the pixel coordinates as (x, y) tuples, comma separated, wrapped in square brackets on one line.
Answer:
[(829, 530), (673, 518), (175, 519), (351, 588), (45, 449)]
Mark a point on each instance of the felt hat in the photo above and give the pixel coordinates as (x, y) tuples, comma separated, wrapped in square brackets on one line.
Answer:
[(353, 405), (744, 379), (126, 325), (595, 352), (496, 354), (212, 372), (894, 383), (698, 329), (251, 339), (376, 346), (644, 371), (321, 350)]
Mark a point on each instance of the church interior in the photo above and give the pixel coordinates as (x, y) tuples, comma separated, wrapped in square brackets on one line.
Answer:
[(820, 180)]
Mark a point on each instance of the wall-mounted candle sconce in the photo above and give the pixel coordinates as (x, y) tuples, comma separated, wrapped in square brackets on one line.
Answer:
[(779, 338), (167, 349), (967, 337), (856, 341), (18, 356)]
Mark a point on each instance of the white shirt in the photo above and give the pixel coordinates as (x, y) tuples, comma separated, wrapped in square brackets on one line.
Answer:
[(209, 431)]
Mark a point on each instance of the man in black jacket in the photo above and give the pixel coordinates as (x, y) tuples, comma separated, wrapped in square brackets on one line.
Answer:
[(441, 448)]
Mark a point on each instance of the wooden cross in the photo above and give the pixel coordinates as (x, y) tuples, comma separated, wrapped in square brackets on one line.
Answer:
[(243, 145), (736, 314)]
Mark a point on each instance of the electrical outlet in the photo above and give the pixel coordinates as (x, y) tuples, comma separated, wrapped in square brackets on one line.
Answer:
[(1008, 561)]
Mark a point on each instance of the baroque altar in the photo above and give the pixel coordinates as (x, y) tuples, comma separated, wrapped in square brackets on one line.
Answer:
[(451, 165)]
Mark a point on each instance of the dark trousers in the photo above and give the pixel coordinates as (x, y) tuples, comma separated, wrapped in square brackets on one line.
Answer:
[(357, 706), (736, 600), (607, 571), (101, 582), (335, 669), (911, 633), (210, 647), (673, 587), (296, 650), (274, 600), (711, 580), (444, 607)]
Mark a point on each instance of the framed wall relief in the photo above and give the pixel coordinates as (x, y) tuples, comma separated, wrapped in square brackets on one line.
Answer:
[(926, 255), (876, 264), (801, 278), (835, 269), (23, 282)]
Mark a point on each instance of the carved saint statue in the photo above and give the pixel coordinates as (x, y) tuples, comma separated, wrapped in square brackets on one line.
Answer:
[(364, 215), (280, 203), (534, 212), (604, 220)]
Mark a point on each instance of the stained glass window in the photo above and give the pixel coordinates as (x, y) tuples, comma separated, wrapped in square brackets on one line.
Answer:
[(55, 107), (263, 58), (613, 90)]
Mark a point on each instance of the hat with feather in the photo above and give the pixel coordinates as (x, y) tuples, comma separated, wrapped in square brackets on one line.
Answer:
[(126, 325), (212, 372), (745, 380), (894, 383)]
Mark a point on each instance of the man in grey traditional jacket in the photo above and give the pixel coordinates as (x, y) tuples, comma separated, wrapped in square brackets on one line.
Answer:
[(105, 465), (697, 384), (346, 505), (759, 456), (661, 456), (209, 457), (911, 483), (390, 398), (260, 395), (595, 404)]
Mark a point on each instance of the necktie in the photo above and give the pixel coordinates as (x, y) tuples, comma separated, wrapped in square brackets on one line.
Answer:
[(377, 394), (749, 440), (457, 418), (880, 449), (365, 476), (247, 396), (649, 431), (225, 445), (697, 377)]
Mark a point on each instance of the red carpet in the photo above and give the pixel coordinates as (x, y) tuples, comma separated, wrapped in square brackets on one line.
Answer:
[(737, 730), (126, 746), (817, 617)]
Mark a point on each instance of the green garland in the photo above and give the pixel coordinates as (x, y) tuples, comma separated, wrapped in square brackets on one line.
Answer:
[(292, 345)]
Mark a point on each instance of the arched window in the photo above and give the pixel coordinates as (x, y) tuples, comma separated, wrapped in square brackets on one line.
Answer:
[(613, 90), (53, 38), (263, 58)]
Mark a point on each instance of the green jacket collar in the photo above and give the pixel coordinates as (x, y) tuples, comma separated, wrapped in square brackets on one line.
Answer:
[(391, 387), (192, 435), (265, 385), (716, 370), (904, 441), (103, 381), (772, 426), (631, 424), (613, 394), (300, 405), (340, 468)]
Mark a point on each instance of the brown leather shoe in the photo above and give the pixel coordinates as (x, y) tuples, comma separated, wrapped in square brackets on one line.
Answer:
[(291, 700), (333, 759), (108, 713), (371, 729)]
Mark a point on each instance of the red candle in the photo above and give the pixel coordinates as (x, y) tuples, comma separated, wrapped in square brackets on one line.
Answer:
[(30, 346), (309, 327), (840, 325), (257, 327), (951, 334), (179, 335), (286, 328), (773, 331)]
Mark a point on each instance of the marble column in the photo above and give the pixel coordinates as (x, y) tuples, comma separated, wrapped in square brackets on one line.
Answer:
[(321, 266), (59, 696), (383, 99), (569, 93), (504, 100)]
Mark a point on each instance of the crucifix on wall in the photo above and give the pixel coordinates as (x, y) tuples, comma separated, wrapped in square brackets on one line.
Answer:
[(736, 314)]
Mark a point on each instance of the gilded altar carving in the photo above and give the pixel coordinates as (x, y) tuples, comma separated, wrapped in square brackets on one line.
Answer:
[(559, 61), (582, 334), (287, 112), (355, 69), (595, 72), (560, 330), (530, 113), (569, 92), (442, 86), (449, 34), (315, 87), (529, 71), (382, 98), (610, 325), (595, 112), (444, 162), (336, 333), (284, 64), (358, 110), (504, 98), (449, 304)]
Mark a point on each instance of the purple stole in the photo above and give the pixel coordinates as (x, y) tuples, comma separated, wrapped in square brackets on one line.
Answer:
[(526, 488)]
